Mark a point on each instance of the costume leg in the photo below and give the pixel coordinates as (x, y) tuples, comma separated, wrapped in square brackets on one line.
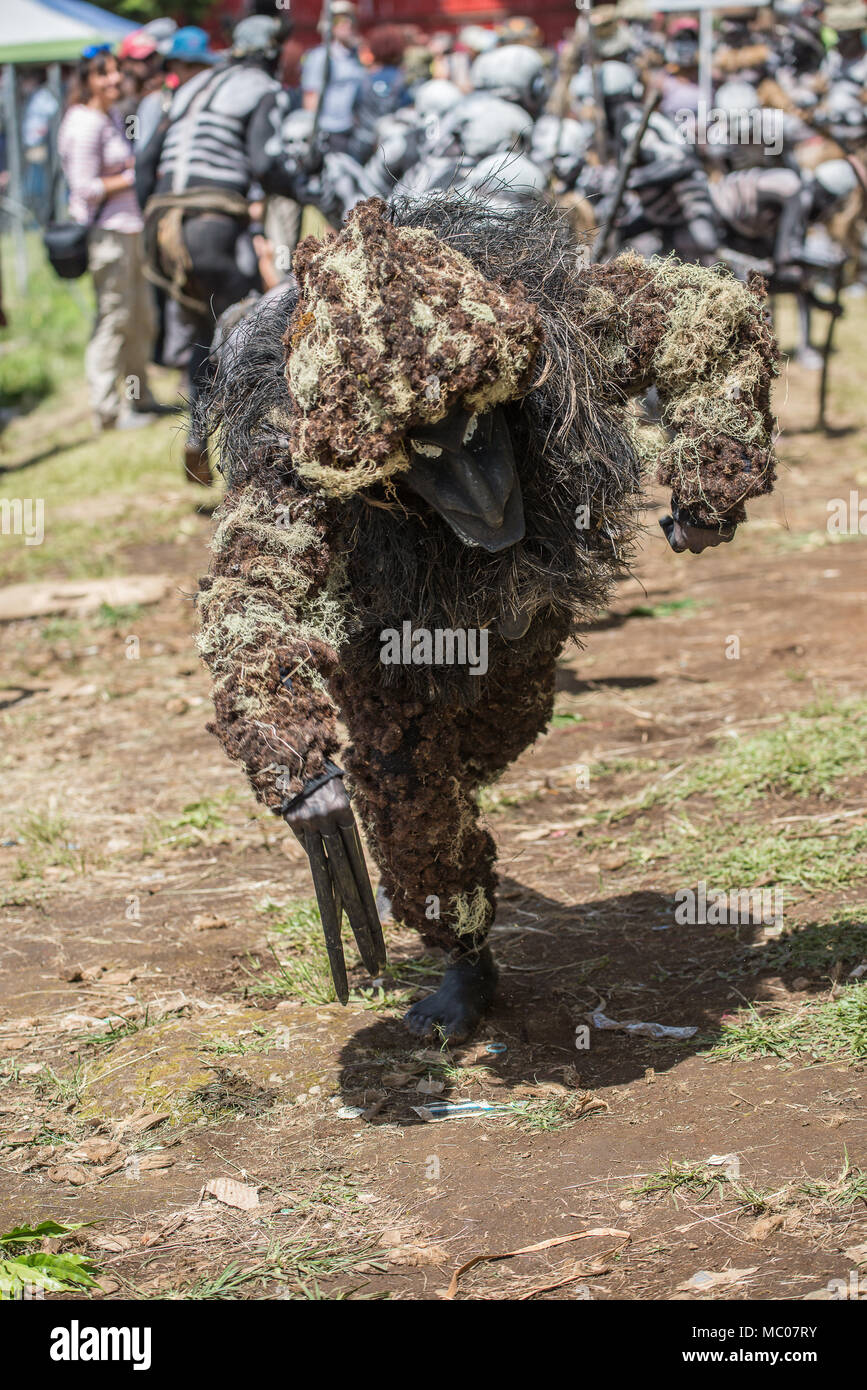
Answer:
[(415, 769), (416, 803)]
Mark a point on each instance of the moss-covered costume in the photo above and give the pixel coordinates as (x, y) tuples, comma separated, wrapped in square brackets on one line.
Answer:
[(319, 549)]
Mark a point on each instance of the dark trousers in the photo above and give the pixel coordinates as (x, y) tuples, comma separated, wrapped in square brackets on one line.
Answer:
[(218, 280)]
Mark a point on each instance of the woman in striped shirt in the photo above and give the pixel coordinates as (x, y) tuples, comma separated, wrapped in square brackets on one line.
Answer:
[(98, 164)]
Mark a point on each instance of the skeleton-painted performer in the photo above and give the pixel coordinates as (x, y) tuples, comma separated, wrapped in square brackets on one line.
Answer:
[(427, 442)]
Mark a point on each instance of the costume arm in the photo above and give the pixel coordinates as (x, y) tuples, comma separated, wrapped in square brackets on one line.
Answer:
[(268, 624), (701, 338)]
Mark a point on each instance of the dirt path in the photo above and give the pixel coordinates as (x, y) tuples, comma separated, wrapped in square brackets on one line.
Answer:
[(162, 982)]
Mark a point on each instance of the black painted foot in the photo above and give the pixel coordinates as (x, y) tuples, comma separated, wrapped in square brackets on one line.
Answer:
[(465, 995)]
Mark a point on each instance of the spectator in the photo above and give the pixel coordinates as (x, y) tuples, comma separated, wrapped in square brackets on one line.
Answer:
[(344, 77), (98, 164), (140, 69), (383, 88), (40, 114)]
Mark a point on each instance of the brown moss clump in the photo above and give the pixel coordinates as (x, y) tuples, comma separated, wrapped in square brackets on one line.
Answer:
[(270, 624), (391, 329), (703, 340), (416, 768)]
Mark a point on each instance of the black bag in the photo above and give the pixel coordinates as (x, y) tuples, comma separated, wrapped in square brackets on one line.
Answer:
[(66, 245)]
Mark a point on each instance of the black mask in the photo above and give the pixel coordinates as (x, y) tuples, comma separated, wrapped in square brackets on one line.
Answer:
[(464, 467)]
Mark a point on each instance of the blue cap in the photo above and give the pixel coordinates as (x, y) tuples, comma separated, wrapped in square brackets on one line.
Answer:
[(191, 45)]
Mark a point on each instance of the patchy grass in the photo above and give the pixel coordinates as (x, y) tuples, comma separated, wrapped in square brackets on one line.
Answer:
[(541, 1115), (47, 332), (46, 830), (666, 610), (742, 853), (848, 1188), (259, 1040), (818, 946), (65, 1090), (623, 767), (494, 801), (124, 1028), (814, 752), (103, 494), (681, 1179), (303, 971), (827, 1030), (298, 1265), (197, 822), (116, 615)]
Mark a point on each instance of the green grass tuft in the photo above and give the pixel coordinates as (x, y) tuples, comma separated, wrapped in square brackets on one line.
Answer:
[(826, 1030)]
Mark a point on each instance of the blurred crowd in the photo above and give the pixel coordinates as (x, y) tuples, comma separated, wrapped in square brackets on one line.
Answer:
[(192, 167)]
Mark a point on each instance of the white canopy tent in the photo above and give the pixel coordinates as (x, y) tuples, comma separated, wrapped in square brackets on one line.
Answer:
[(50, 31), (46, 32)]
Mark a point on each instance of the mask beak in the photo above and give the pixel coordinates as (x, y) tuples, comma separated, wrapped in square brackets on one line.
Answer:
[(464, 468)]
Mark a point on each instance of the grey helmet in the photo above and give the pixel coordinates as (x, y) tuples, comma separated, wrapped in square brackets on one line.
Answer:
[(837, 177), (505, 180), (661, 134), (436, 97), (736, 95), (399, 138), (615, 80), (560, 143), (738, 100), (514, 72), (482, 125), (842, 106), (256, 36)]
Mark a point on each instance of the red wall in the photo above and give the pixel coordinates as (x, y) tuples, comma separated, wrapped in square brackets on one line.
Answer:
[(554, 17)]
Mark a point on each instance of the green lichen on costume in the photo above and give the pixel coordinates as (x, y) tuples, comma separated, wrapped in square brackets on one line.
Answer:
[(391, 329), (470, 916)]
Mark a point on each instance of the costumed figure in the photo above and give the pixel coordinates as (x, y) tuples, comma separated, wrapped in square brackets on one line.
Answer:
[(433, 480)]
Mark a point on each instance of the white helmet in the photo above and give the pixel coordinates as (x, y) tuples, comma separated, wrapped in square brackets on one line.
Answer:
[(513, 72), (737, 96), (505, 179), (554, 138), (484, 125), (843, 106), (477, 38), (435, 97), (837, 177), (616, 79)]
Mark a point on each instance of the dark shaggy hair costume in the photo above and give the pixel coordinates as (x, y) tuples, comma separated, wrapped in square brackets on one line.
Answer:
[(315, 556)]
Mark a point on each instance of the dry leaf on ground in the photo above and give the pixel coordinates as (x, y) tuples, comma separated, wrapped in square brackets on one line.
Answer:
[(233, 1193)]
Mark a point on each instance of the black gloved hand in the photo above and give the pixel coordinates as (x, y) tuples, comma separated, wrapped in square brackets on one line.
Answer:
[(324, 810), (684, 532), (322, 819)]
